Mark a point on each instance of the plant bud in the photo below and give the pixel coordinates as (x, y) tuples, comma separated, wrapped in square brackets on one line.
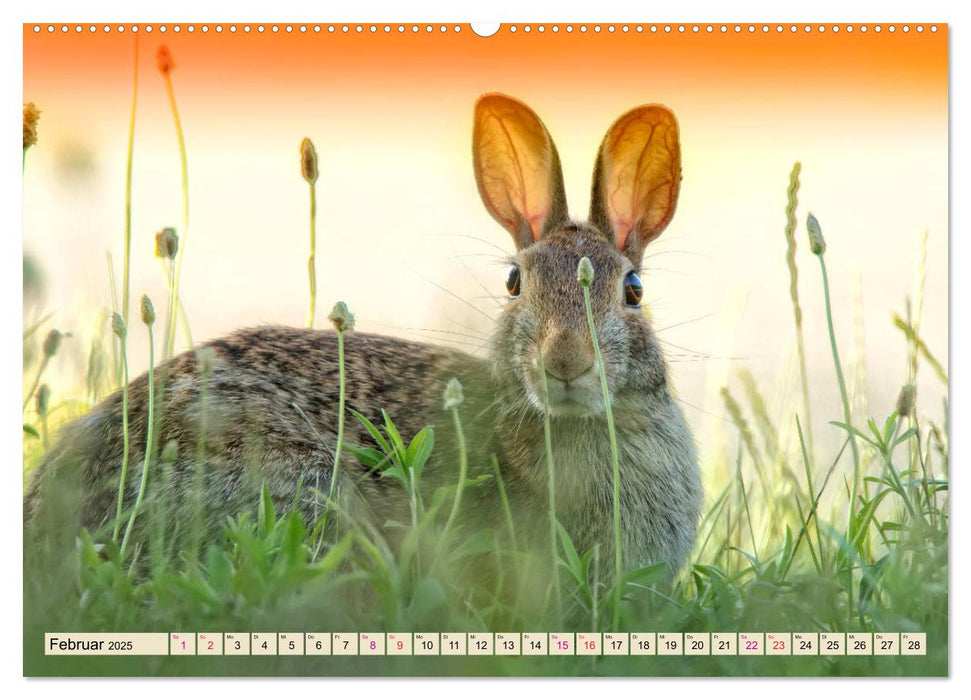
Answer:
[(166, 243), (31, 117), (148, 311), (453, 394), (308, 161), (43, 399), (585, 272), (118, 325), (52, 343), (341, 317), (816, 242), (165, 61), (905, 402)]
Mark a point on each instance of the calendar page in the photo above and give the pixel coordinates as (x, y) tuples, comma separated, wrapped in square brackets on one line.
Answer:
[(514, 349)]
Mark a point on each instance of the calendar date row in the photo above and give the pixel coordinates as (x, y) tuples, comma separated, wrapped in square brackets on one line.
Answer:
[(488, 644)]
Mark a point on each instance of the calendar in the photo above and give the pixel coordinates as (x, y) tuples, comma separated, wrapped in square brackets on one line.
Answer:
[(517, 348), (457, 644)]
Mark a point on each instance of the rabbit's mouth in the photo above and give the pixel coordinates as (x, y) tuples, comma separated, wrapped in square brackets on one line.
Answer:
[(579, 397)]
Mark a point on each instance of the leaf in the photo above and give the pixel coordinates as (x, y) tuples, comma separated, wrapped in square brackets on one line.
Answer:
[(854, 431), (367, 456), (330, 561), (870, 580), (372, 429), (904, 436), (647, 575), (292, 547), (480, 542), (429, 600), (420, 450), (267, 515), (752, 559), (397, 443), (573, 559), (220, 570), (31, 430)]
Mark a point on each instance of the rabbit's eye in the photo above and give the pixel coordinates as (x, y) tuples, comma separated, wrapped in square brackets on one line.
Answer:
[(514, 281), (633, 289)]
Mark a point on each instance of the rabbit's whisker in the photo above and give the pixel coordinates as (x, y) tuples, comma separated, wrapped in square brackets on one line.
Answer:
[(481, 286), (489, 243), (684, 323), (451, 293)]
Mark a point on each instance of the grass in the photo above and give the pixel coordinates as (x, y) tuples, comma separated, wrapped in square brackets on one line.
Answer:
[(585, 278), (781, 548), (148, 316), (794, 538)]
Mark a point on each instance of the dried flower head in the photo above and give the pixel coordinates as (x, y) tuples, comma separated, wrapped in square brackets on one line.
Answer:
[(905, 402), (816, 242), (166, 243), (170, 452), (341, 317), (165, 61), (52, 343), (43, 399), (148, 311), (31, 117), (454, 395), (308, 161), (118, 325), (585, 272)]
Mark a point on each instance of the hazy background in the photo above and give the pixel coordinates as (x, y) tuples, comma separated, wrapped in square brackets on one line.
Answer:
[(398, 213)]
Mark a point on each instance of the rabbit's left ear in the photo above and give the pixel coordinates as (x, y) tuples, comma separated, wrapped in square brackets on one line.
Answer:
[(517, 168), (637, 178)]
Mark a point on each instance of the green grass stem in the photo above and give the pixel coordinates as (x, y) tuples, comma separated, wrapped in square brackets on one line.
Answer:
[(312, 261), (614, 453), (126, 265), (463, 473), (340, 418), (183, 238), (551, 482), (125, 438), (149, 440)]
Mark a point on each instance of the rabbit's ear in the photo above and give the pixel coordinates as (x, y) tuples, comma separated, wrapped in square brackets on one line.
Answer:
[(637, 178), (517, 168)]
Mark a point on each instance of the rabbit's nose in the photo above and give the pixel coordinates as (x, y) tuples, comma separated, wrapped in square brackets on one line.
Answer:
[(566, 355)]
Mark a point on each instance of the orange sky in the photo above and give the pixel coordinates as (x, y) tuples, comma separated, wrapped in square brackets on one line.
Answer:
[(857, 65)]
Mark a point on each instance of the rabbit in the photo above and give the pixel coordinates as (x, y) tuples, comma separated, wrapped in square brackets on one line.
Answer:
[(271, 393)]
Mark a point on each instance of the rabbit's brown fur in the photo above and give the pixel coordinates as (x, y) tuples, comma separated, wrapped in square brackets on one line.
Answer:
[(272, 394)]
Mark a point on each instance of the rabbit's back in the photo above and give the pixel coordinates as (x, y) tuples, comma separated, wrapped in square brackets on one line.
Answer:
[(264, 411)]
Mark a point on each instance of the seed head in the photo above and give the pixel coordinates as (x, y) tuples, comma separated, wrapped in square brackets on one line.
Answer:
[(166, 243), (165, 61), (816, 242), (52, 343), (341, 317), (905, 402), (453, 394), (118, 325), (308, 161), (148, 311), (43, 398), (170, 452), (585, 272), (31, 117)]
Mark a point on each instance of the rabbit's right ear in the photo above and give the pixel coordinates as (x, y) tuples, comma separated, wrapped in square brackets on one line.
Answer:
[(517, 168)]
